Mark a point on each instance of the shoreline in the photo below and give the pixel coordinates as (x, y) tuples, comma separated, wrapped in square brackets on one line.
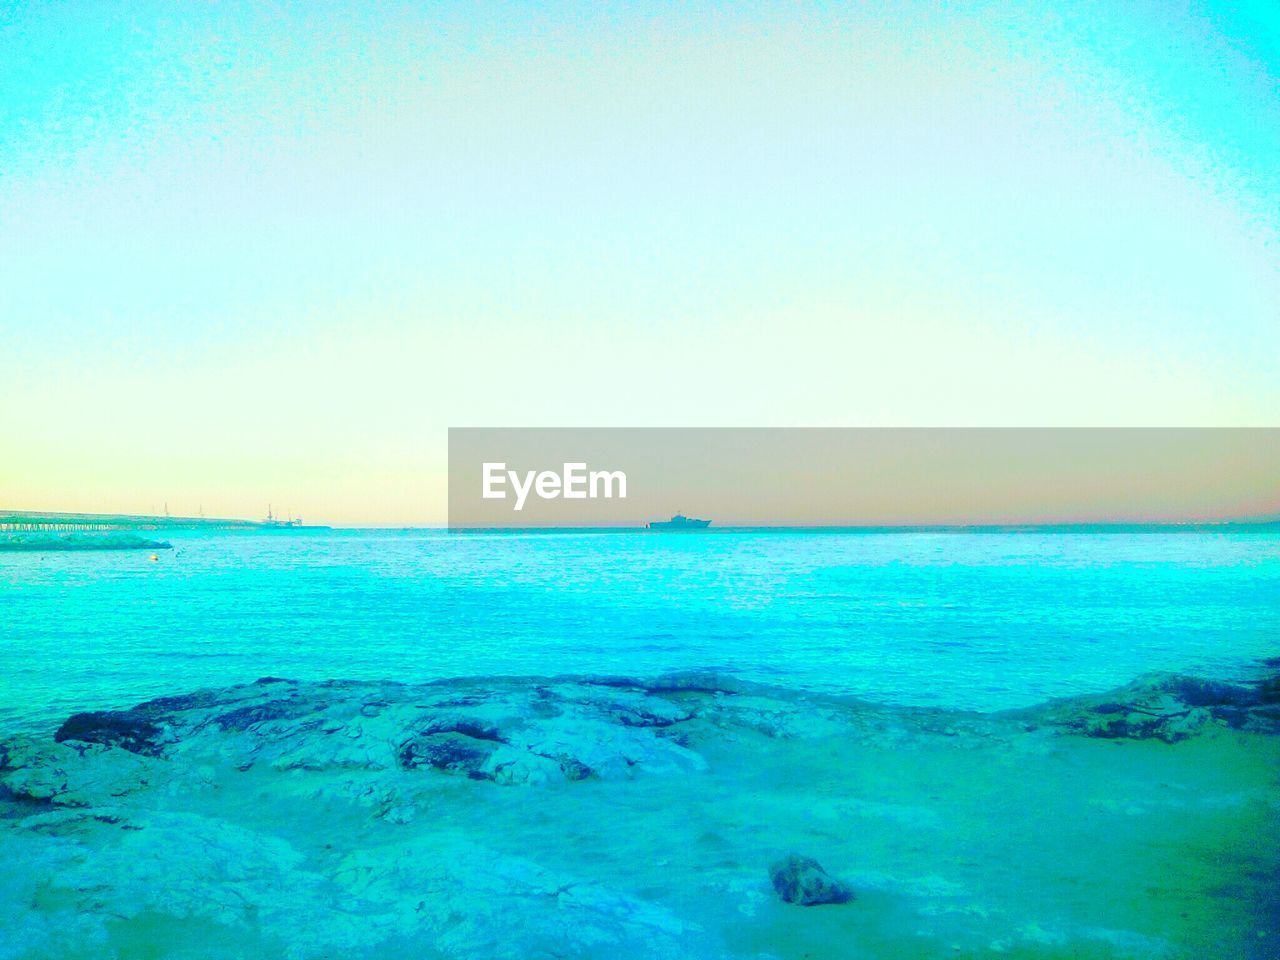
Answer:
[(615, 817), (1252, 695)]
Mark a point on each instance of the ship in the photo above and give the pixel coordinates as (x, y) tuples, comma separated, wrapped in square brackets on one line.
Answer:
[(678, 522), (276, 522)]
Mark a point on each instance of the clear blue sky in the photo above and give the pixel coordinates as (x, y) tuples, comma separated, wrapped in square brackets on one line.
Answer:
[(270, 252)]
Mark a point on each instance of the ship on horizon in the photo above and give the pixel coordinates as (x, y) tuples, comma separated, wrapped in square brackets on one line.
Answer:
[(275, 521), (678, 522)]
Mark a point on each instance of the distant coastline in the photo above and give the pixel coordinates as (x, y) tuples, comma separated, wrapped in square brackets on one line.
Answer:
[(43, 520)]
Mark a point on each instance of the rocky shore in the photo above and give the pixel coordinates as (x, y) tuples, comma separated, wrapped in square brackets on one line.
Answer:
[(625, 817)]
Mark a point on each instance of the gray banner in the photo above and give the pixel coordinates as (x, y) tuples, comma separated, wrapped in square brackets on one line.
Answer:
[(526, 478)]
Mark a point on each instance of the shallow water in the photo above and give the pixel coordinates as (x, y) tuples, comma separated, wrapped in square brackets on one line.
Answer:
[(974, 620)]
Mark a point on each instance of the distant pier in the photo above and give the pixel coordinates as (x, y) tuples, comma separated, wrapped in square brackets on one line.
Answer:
[(26, 520)]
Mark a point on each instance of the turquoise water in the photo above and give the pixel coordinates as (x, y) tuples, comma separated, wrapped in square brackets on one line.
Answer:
[(976, 620)]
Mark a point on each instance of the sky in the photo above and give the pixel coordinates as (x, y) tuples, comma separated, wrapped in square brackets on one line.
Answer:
[(270, 253)]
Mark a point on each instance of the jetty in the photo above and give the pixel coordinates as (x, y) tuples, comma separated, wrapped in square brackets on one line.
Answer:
[(38, 521)]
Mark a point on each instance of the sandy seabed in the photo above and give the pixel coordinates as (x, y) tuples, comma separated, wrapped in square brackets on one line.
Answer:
[(620, 818)]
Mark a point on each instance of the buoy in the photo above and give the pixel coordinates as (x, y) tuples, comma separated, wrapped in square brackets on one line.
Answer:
[(155, 556)]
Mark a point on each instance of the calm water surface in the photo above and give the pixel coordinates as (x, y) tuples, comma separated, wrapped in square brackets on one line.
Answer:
[(980, 620)]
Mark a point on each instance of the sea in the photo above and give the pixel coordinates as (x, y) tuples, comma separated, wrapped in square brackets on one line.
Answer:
[(978, 620)]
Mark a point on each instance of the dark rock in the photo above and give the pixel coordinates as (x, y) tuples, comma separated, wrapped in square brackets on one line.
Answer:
[(464, 701), (802, 880), (686, 681), (116, 728), (201, 700), (468, 728), (24, 798), (454, 753), (1195, 692), (1269, 690), (1167, 707), (639, 717), (574, 769), (1169, 727), (245, 717)]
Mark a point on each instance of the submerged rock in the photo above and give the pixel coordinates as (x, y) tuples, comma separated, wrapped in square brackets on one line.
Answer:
[(803, 881)]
